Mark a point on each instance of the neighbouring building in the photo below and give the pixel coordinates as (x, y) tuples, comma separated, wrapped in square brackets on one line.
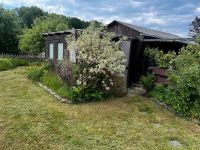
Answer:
[(138, 38)]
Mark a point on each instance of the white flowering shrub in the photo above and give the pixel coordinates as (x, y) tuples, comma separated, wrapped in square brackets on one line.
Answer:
[(98, 57)]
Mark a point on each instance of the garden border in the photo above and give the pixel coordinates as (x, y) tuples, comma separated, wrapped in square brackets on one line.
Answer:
[(54, 94)]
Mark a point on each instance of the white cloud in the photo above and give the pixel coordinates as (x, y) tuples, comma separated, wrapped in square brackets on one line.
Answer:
[(108, 8), (38, 3), (152, 18), (139, 12), (198, 10), (135, 3)]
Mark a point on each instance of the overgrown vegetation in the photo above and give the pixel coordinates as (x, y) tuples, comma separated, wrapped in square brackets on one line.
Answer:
[(52, 80), (99, 59), (32, 40), (11, 63), (183, 91), (163, 60), (35, 73)]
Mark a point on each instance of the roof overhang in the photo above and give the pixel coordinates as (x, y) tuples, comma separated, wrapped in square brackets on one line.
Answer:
[(57, 33), (61, 32), (180, 40)]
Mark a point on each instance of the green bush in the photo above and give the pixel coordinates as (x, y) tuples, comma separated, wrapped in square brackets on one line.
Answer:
[(35, 73), (163, 60), (19, 62), (183, 91), (11, 63), (74, 94), (98, 60), (148, 82), (79, 95)]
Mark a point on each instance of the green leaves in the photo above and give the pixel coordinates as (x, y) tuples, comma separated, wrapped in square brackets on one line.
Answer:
[(183, 91), (163, 60), (98, 58), (32, 40), (9, 30), (148, 82)]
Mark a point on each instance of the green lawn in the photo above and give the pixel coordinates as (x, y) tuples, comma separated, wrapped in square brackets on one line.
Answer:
[(31, 119)]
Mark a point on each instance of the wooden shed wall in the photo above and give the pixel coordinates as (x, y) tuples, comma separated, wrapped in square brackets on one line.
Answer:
[(133, 51), (55, 39), (120, 29)]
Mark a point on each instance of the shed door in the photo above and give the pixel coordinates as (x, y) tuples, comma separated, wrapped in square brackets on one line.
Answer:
[(51, 51), (126, 45), (60, 51)]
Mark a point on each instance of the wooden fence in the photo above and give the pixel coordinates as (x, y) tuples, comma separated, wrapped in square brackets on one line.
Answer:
[(30, 58)]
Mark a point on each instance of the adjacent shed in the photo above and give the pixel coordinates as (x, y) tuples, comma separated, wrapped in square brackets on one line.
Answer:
[(140, 38)]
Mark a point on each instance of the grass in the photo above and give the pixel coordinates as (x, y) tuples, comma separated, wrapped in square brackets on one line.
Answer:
[(51, 80), (48, 78), (11, 63), (31, 119)]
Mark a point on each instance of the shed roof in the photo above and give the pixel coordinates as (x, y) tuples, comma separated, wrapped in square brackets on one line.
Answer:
[(61, 32), (148, 32)]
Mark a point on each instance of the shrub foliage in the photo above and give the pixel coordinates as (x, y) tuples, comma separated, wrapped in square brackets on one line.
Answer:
[(183, 90), (98, 59)]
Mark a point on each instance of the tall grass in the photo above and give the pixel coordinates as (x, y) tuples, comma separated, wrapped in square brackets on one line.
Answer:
[(52, 80)]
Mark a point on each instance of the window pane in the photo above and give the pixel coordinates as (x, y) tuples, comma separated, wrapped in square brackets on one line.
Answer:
[(51, 51), (60, 51)]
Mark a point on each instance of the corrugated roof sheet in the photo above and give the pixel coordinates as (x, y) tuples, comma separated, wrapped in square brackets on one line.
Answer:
[(150, 32)]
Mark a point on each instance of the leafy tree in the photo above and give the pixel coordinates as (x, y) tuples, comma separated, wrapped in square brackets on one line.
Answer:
[(9, 29), (94, 24), (78, 24), (28, 14), (195, 28), (32, 40)]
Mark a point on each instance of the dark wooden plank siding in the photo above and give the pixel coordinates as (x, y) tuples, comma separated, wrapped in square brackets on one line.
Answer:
[(55, 39), (120, 29), (133, 50)]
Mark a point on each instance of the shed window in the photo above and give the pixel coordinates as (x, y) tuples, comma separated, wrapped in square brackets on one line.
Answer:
[(72, 56), (51, 51), (60, 51)]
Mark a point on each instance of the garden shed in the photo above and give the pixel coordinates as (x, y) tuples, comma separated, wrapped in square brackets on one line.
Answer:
[(138, 38)]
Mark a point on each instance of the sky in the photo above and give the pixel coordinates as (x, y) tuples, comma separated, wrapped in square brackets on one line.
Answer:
[(173, 16)]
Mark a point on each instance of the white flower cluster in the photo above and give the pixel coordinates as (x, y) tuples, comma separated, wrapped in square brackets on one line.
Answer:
[(98, 56)]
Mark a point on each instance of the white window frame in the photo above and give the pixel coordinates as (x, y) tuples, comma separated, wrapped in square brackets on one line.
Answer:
[(51, 50), (60, 51)]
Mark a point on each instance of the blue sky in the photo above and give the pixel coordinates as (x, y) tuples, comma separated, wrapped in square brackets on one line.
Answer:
[(173, 16)]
